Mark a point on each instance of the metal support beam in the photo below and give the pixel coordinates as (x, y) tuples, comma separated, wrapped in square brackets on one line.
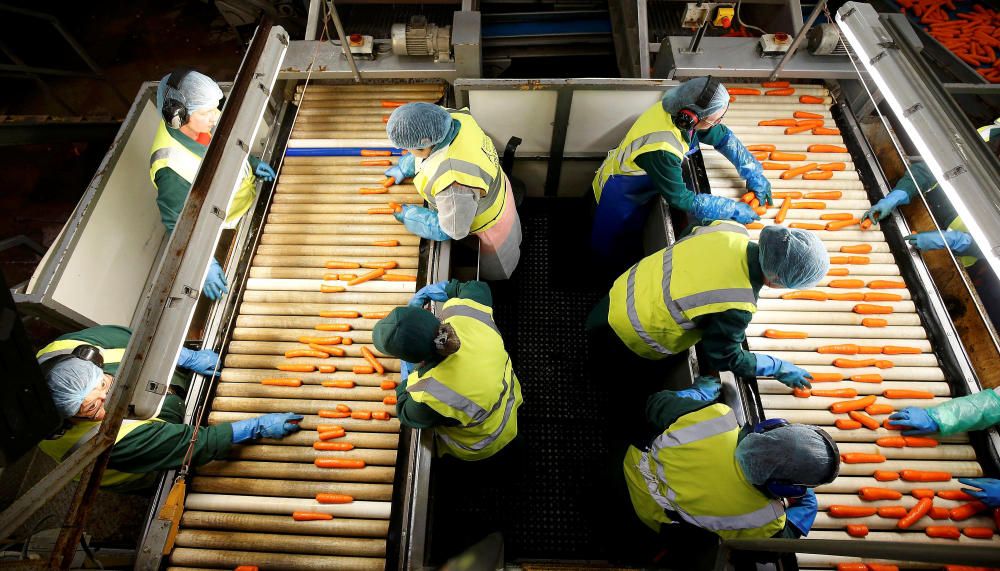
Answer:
[(798, 39), (345, 45), (564, 103)]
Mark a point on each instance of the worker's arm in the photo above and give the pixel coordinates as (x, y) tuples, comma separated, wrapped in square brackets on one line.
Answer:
[(722, 340), (456, 208), (412, 413), (977, 411), (105, 336), (917, 179), (171, 192), (664, 170), (727, 144), (475, 290), (665, 407)]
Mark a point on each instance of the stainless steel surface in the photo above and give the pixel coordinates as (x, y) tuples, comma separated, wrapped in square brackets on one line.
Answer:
[(466, 31), (345, 46), (329, 64), (643, 29), (799, 36), (738, 57), (312, 20)]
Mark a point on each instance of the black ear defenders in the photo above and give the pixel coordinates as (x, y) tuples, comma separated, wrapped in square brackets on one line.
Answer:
[(174, 110), (779, 488), (85, 352), (687, 117)]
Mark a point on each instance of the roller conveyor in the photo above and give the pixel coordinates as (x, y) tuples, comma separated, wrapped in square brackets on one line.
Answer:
[(838, 321), (239, 511)]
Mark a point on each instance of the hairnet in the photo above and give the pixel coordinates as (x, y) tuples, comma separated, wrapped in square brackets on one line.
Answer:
[(69, 382), (686, 94), (797, 453), (418, 125), (792, 258), (197, 91), (407, 333)]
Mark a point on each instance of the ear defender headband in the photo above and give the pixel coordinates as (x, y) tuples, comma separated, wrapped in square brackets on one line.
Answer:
[(779, 488), (84, 352), (174, 110), (687, 117)]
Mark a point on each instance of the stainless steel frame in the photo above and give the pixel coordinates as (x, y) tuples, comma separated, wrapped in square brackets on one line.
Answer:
[(739, 57)]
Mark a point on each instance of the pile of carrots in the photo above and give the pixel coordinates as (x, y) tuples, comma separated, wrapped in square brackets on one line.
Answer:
[(968, 29)]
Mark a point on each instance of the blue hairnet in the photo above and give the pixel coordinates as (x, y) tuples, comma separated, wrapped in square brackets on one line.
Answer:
[(197, 91), (686, 94), (791, 257), (418, 125), (69, 382), (796, 453)]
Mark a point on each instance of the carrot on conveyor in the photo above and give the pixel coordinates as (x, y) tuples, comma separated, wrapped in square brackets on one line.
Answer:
[(886, 284), (847, 424), (942, 531), (825, 131), (856, 249), (954, 495), (978, 532), (389, 400), (881, 567), (843, 349), (841, 224), (847, 406), (839, 511), (921, 493), (869, 350), (900, 350), (874, 494), (375, 315), (809, 123), (769, 166), (373, 153), (806, 294), (761, 148), (294, 353), (380, 415), (388, 385), (835, 393), (390, 265), (794, 157), (333, 446), (792, 173), (787, 194), (328, 498), (886, 424), (806, 115), (965, 511), (386, 243), (906, 394), (854, 363), (838, 272), (282, 382), (332, 434), (826, 149), (778, 334), (866, 224), (395, 206), (777, 123), (807, 226), (367, 354), (852, 567), (808, 205), (939, 513), (811, 99), (870, 378), (743, 91), (373, 191), (310, 516), (388, 182), (361, 415), (342, 408), (363, 370), (329, 428), (775, 84), (328, 349), (879, 409), (334, 265), (861, 458), (392, 104), (871, 309), (801, 393), (874, 322), (797, 130), (381, 211), (852, 296), (886, 475), (868, 422), (339, 384), (782, 91), (377, 163), (891, 442), (835, 216), (822, 175), (754, 226), (857, 530), (924, 476), (826, 377), (338, 463), (332, 327), (290, 368), (846, 284), (331, 289), (916, 512), (323, 413), (342, 314), (367, 277), (892, 512), (321, 340), (833, 167)]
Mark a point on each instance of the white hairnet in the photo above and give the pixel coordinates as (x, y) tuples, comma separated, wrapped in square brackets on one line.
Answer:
[(197, 91), (69, 382), (791, 257), (797, 453), (686, 94), (418, 125)]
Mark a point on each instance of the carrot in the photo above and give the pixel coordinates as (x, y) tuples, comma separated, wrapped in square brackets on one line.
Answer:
[(835, 216), (802, 393), (869, 422), (808, 205), (826, 149), (343, 314), (879, 409), (321, 341), (367, 354), (886, 475), (847, 284), (906, 394), (391, 104), (342, 408), (853, 363), (870, 309), (334, 265), (754, 226), (310, 516), (856, 249), (246, 568), (780, 156), (847, 406), (785, 91), (398, 278), (777, 123), (965, 511), (807, 226), (857, 530), (333, 414), (386, 243), (826, 377), (811, 99), (373, 191), (921, 493), (810, 295), (328, 498), (329, 428), (348, 341), (338, 463), (871, 378), (380, 415), (833, 167), (336, 446), (797, 130), (954, 495), (866, 350), (331, 289), (376, 315), (841, 224), (361, 415), (282, 382), (883, 297), (389, 400), (381, 210), (787, 194), (835, 393), (754, 203), (388, 385), (769, 166), (920, 442), (900, 350), (978, 532), (396, 207), (806, 115), (847, 424), (743, 91), (854, 296), (361, 370), (886, 424), (850, 511), (296, 368), (371, 153), (792, 173), (873, 494), (845, 349), (859, 260), (825, 131), (916, 512), (332, 327), (939, 513), (861, 458), (390, 265), (294, 353), (924, 476), (892, 512), (761, 148), (943, 531), (331, 434), (874, 322), (838, 272), (339, 384), (778, 334), (809, 123), (775, 84), (891, 442), (380, 163), (851, 566), (761, 155), (886, 284), (866, 224), (366, 277)]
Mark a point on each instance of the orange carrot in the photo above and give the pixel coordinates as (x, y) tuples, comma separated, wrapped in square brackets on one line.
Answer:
[(847, 424), (769, 166), (775, 84), (886, 424), (841, 224), (873, 494), (388, 385), (361, 415), (809, 123), (886, 475), (334, 265), (942, 531), (761, 147), (282, 382), (761, 155), (333, 351), (818, 176), (391, 104), (292, 354), (883, 297), (857, 530), (381, 210), (886, 284), (874, 322), (331, 289), (826, 377), (965, 511), (845, 349), (348, 341), (811, 99), (801, 393), (939, 513), (869, 350), (780, 156), (853, 363), (916, 512), (900, 350), (807, 226), (870, 378), (826, 149), (868, 422), (380, 415), (825, 131), (329, 428), (866, 224), (906, 394), (390, 265), (386, 243), (856, 249), (743, 91), (859, 260), (785, 91), (806, 115), (343, 314), (381, 163), (367, 354), (954, 495), (398, 278), (331, 434), (366, 277), (851, 566), (861, 458), (754, 226), (870, 309), (372, 153), (328, 498), (833, 167), (892, 512), (881, 567), (847, 284), (339, 384), (850, 511), (978, 532), (777, 123), (338, 463), (332, 327), (333, 414), (310, 516), (891, 442), (806, 294), (296, 368), (921, 493), (879, 409), (361, 370), (924, 476), (847, 406), (920, 442), (335, 446), (787, 194), (777, 334), (792, 173), (373, 191), (321, 341), (389, 400), (835, 393), (376, 315), (343, 408)]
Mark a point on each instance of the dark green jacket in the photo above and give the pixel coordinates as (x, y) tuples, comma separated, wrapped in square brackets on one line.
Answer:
[(664, 169)]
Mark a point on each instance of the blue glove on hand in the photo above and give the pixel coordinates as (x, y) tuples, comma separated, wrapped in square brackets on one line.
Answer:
[(988, 492), (405, 368), (915, 421), (802, 513), (785, 372), (215, 282), (204, 362), (705, 389), (422, 221), (707, 207), (264, 171), (274, 425), (955, 240), (884, 207), (749, 168), (761, 188), (405, 168), (435, 292)]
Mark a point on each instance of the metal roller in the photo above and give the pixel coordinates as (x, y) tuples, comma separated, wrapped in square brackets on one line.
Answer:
[(796, 305), (342, 297), (851, 485), (373, 286), (284, 524), (288, 334), (320, 261), (904, 293), (301, 406), (358, 325), (371, 199), (735, 193), (352, 169), (809, 358), (309, 309), (380, 440), (796, 184), (255, 375), (771, 386), (310, 422), (789, 402), (362, 547), (383, 88), (359, 179), (782, 318), (372, 457), (358, 210), (184, 556), (240, 361), (958, 469), (281, 218), (268, 505), (347, 229), (394, 252), (825, 418), (282, 273), (371, 143), (342, 189), (824, 521), (721, 174), (280, 347), (843, 236), (849, 331), (295, 471), (942, 452), (907, 501), (225, 389)]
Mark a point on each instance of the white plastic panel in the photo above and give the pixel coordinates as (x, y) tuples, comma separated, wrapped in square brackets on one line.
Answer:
[(599, 119), (507, 113)]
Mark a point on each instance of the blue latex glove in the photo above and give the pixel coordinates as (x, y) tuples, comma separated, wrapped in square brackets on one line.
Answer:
[(274, 425), (988, 492), (915, 420), (955, 240), (429, 292), (705, 389), (204, 362), (708, 207), (215, 282), (786, 373), (403, 169), (264, 171), (749, 168), (884, 207), (405, 368), (802, 513), (422, 221)]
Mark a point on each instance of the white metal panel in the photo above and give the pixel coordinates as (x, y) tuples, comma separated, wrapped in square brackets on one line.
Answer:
[(506, 113), (599, 119)]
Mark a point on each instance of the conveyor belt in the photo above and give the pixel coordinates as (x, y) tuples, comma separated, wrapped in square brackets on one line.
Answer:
[(835, 322), (239, 511)]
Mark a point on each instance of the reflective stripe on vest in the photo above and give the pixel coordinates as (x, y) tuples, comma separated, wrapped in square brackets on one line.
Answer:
[(654, 304), (169, 153), (654, 130), (708, 489), (472, 385), (470, 160), (66, 346)]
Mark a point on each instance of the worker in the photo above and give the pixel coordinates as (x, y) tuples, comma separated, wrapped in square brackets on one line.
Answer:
[(702, 469), (455, 168), (647, 163), (456, 376), (704, 288), (190, 104), (79, 369)]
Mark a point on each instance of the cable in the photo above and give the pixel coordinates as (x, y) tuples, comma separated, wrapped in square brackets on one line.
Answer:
[(744, 24)]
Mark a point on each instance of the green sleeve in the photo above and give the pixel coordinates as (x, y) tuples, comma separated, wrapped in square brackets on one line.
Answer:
[(722, 340), (254, 161), (598, 317), (162, 445), (416, 414), (475, 290), (788, 532), (665, 407), (664, 170), (105, 336), (714, 135), (977, 411), (171, 192), (918, 178)]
